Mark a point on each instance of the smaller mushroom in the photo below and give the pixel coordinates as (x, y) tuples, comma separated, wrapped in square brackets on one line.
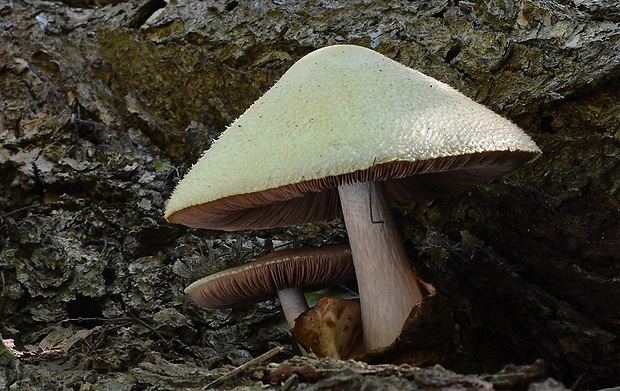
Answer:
[(287, 273)]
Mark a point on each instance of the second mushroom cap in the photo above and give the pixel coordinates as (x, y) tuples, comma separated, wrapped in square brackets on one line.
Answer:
[(310, 268)]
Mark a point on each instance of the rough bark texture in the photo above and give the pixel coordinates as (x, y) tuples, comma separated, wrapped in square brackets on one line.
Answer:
[(103, 105)]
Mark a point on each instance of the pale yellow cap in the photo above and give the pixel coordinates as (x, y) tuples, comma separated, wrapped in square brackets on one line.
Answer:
[(345, 113)]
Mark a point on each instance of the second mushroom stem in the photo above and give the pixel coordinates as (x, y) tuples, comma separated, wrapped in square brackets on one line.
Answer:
[(293, 303), (387, 284)]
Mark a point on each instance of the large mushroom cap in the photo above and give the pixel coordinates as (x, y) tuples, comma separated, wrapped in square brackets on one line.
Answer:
[(254, 281), (341, 114)]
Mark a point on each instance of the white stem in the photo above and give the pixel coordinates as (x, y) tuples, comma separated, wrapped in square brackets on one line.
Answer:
[(293, 304), (387, 285)]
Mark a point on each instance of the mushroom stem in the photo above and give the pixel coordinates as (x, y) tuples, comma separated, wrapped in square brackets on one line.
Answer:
[(293, 304), (387, 285)]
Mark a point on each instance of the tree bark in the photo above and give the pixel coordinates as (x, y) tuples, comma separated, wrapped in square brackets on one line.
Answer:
[(103, 105)]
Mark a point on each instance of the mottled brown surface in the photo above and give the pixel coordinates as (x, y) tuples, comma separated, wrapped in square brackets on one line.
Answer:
[(101, 112)]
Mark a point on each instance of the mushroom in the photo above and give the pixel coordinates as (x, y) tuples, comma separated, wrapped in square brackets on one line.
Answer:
[(349, 132), (285, 272)]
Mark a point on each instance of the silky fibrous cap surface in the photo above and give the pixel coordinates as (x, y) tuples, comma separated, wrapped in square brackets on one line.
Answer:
[(339, 110)]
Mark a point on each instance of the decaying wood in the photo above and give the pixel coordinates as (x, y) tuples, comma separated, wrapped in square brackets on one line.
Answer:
[(104, 104)]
